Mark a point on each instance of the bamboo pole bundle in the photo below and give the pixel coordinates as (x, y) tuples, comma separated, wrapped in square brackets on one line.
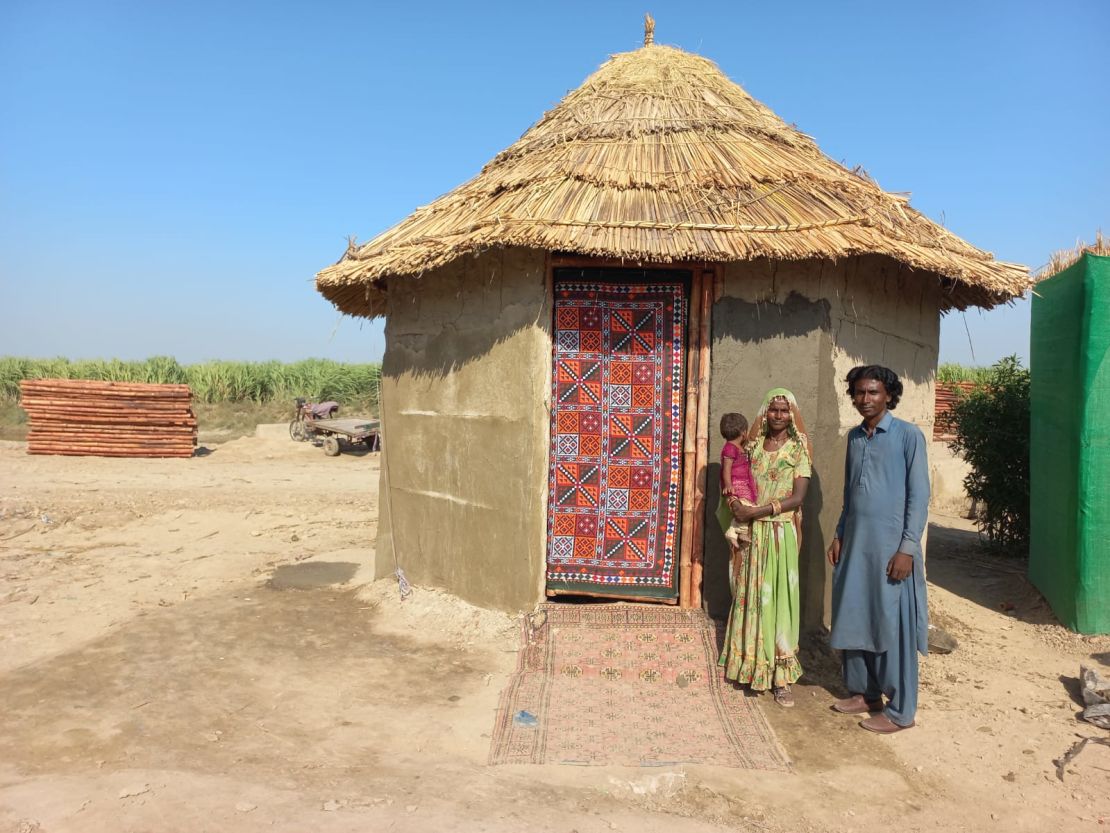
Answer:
[(110, 386), (63, 451), (114, 440), (97, 405), (108, 419), (106, 390), (137, 431), (114, 419)]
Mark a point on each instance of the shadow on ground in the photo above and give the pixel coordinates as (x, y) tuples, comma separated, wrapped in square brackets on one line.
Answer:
[(958, 562), (294, 686)]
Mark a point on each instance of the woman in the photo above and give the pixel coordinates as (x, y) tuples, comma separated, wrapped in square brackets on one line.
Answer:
[(761, 642)]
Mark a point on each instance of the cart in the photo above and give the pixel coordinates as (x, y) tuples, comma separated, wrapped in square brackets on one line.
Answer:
[(354, 430), (317, 419)]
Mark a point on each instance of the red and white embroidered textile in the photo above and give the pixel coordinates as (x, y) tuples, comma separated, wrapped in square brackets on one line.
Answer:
[(616, 438)]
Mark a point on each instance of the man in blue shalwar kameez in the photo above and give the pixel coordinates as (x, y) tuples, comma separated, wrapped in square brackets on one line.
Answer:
[(879, 610)]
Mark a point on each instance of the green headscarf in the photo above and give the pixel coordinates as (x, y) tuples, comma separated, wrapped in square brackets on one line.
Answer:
[(797, 427)]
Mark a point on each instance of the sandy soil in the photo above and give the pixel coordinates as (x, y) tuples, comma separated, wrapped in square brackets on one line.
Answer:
[(194, 645)]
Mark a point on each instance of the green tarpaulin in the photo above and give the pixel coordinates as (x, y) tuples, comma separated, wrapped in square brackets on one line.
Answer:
[(1069, 557)]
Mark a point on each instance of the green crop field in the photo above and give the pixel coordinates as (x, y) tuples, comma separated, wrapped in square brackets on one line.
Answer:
[(229, 397), (961, 373)]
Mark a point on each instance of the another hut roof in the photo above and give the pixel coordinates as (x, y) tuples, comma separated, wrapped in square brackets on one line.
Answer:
[(1064, 258), (659, 157)]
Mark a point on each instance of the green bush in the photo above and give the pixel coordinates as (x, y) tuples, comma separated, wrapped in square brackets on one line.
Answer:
[(991, 424)]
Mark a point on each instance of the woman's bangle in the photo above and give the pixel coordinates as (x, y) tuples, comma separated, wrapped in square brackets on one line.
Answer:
[(776, 507)]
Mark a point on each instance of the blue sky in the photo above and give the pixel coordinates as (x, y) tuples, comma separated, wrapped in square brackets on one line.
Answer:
[(172, 175)]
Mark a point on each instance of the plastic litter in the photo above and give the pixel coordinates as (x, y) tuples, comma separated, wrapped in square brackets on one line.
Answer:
[(525, 718), (403, 584), (1096, 697)]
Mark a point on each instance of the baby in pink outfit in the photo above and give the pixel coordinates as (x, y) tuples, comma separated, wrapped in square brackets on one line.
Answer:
[(737, 482)]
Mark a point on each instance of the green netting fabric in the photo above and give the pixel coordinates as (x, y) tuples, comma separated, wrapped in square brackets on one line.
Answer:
[(1069, 558)]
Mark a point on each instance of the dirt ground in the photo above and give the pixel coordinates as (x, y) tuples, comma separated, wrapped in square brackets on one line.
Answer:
[(195, 645)]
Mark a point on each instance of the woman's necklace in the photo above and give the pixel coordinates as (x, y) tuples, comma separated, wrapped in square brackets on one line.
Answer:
[(774, 443)]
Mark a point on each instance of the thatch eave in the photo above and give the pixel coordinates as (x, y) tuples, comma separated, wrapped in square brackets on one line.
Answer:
[(659, 158), (359, 291)]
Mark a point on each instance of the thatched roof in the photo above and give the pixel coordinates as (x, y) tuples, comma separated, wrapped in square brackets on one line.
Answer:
[(658, 157), (1064, 258)]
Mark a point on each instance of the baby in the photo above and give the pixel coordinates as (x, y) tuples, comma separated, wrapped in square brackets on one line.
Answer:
[(737, 482)]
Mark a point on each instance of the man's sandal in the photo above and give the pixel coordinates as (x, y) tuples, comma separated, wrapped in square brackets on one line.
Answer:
[(783, 696), (882, 725), (856, 704)]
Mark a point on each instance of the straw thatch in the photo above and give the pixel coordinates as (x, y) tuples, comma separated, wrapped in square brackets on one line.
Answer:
[(1061, 260), (658, 157)]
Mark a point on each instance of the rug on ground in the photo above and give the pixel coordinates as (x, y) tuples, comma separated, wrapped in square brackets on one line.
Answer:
[(634, 685)]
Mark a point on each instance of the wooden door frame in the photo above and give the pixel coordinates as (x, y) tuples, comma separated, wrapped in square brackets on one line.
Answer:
[(704, 290)]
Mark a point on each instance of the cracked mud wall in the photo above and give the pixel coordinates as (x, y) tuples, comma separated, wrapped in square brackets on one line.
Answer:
[(465, 387), (803, 325)]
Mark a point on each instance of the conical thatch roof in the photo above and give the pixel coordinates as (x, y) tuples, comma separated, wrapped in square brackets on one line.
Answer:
[(658, 157)]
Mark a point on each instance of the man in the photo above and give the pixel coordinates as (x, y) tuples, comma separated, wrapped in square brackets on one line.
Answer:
[(880, 617)]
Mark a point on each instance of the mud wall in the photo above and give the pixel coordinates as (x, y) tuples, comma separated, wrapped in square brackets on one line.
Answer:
[(465, 381), (802, 326)]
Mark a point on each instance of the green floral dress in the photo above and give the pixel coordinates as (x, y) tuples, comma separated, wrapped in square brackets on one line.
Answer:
[(761, 641)]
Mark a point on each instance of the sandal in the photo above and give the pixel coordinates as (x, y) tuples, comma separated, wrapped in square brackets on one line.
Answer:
[(858, 704), (883, 725), (783, 696)]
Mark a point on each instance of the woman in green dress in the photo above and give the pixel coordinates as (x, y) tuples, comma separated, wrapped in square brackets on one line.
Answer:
[(761, 641)]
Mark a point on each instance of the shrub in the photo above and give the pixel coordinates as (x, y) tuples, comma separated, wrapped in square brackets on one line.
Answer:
[(991, 424)]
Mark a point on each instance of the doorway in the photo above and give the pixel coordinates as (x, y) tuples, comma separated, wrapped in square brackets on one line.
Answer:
[(617, 432)]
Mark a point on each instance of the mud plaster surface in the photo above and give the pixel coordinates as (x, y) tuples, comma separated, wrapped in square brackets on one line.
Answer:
[(196, 645)]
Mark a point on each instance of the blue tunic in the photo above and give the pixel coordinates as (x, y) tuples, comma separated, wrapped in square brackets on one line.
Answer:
[(886, 507)]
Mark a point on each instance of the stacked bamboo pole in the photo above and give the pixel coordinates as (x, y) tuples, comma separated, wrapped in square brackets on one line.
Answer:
[(108, 419)]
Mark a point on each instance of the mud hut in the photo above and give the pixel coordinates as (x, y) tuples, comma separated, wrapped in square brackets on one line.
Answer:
[(563, 329)]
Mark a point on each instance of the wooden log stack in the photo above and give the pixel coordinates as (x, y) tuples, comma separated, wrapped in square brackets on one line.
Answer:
[(108, 419), (946, 396)]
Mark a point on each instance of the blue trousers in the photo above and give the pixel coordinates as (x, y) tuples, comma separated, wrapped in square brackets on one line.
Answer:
[(892, 672)]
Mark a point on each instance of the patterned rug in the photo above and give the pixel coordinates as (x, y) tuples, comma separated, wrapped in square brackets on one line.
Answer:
[(634, 685), (616, 438)]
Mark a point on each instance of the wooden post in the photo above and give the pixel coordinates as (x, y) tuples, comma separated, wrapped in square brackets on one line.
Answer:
[(549, 303), (689, 455), (701, 463)]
